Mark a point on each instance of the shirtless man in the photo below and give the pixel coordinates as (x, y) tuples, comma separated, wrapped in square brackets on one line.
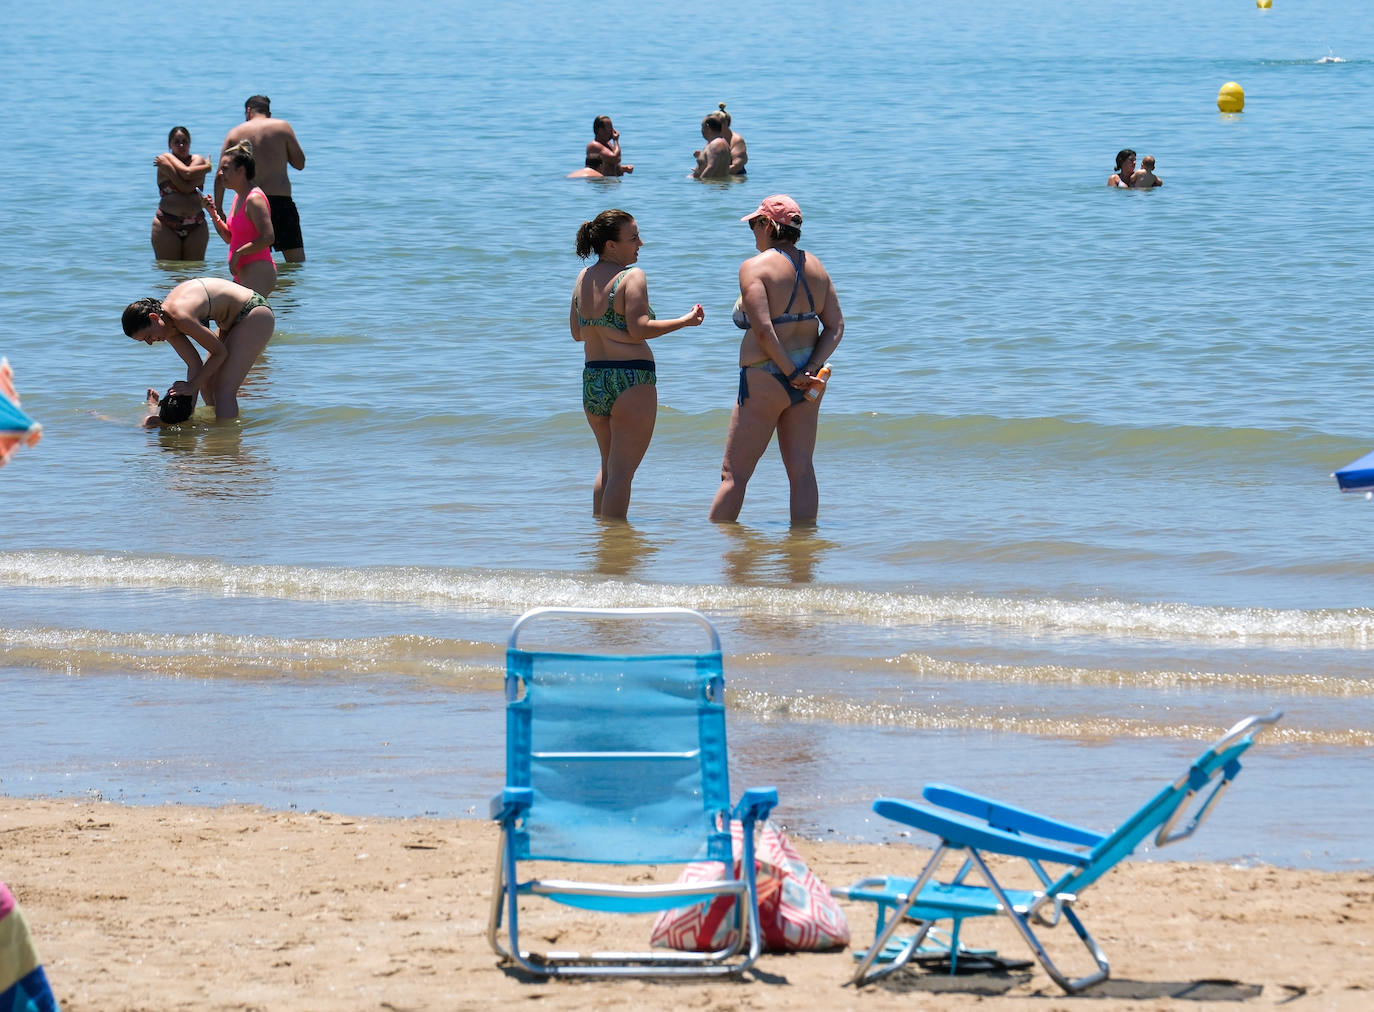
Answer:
[(274, 148), (603, 150)]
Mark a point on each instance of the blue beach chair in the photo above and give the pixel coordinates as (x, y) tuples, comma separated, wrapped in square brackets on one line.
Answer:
[(980, 826), (620, 759)]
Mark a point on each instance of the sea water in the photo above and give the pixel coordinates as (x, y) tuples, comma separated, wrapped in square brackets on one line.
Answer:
[(1074, 461)]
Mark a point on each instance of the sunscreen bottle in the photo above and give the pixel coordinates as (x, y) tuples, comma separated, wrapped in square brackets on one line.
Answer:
[(814, 393)]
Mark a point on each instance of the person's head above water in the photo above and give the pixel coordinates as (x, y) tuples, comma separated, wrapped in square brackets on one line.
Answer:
[(713, 125), (1123, 156), (175, 408)]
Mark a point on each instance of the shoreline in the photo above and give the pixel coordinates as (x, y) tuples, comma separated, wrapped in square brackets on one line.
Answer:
[(180, 907)]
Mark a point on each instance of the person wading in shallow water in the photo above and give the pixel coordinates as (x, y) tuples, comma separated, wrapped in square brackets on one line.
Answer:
[(610, 315)]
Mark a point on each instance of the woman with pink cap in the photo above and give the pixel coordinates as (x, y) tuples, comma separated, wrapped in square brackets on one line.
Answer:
[(791, 320)]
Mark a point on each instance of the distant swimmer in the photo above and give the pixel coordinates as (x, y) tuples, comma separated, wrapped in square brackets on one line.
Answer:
[(603, 152), (713, 161), (1144, 178), (179, 231), (243, 325), (1125, 169), (248, 226), (275, 147), (739, 154)]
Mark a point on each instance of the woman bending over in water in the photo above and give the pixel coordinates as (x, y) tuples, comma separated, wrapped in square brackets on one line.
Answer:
[(610, 315), (244, 322)]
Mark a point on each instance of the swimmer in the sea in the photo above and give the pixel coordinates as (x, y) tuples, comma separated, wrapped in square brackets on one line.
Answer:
[(713, 161), (739, 152), (1125, 169), (1144, 177), (605, 148)]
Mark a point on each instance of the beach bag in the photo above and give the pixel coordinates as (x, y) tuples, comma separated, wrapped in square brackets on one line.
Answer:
[(796, 911)]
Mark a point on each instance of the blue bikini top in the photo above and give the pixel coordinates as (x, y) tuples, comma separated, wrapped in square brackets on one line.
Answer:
[(741, 318)]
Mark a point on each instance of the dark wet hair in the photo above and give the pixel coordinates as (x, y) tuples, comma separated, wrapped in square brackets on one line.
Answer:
[(1121, 157), (715, 121), (241, 157), (138, 315), (259, 103), (596, 123), (178, 130), (176, 408), (592, 236), (725, 116)]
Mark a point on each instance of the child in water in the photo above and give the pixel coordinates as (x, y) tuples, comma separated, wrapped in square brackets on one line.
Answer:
[(170, 410), (1144, 177)]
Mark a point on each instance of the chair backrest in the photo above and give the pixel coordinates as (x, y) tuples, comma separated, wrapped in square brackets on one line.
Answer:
[(625, 753), (1220, 762)]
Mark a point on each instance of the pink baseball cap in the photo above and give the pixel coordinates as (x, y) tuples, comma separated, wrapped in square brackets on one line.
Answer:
[(779, 208)]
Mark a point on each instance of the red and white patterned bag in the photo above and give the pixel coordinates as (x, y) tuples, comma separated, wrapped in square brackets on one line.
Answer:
[(796, 911)]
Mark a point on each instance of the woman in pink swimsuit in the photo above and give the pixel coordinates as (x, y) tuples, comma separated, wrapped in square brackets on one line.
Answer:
[(248, 227)]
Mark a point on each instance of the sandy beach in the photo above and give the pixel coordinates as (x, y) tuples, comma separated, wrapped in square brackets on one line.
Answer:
[(174, 907)]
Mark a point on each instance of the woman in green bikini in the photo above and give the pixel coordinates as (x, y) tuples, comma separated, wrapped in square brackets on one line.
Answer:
[(610, 315), (244, 324)]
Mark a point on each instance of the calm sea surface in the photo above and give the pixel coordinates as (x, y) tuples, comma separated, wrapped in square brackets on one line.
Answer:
[(1076, 505)]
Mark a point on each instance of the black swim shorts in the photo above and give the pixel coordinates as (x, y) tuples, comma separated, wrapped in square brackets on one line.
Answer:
[(286, 223)]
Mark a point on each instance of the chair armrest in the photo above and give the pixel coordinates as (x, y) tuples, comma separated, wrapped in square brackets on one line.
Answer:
[(1009, 817), (511, 803), (958, 832), (755, 804)]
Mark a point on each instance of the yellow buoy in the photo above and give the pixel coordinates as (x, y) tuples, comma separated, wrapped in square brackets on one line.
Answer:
[(1231, 97), (1266, 4)]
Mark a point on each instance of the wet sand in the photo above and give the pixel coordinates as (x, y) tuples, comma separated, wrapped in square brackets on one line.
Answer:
[(175, 907)]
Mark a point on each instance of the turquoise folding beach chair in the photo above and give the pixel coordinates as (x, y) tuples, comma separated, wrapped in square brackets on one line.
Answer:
[(982, 826), (620, 759)]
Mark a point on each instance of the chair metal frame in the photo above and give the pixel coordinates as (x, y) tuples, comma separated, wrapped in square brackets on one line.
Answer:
[(1038, 840), (512, 807)]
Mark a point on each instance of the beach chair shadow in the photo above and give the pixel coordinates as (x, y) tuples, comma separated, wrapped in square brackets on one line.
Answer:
[(618, 758), (975, 827)]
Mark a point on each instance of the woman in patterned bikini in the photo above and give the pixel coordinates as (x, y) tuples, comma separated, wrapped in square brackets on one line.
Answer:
[(179, 231), (618, 379)]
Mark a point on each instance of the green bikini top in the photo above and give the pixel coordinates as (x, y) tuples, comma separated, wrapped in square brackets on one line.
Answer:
[(610, 318)]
